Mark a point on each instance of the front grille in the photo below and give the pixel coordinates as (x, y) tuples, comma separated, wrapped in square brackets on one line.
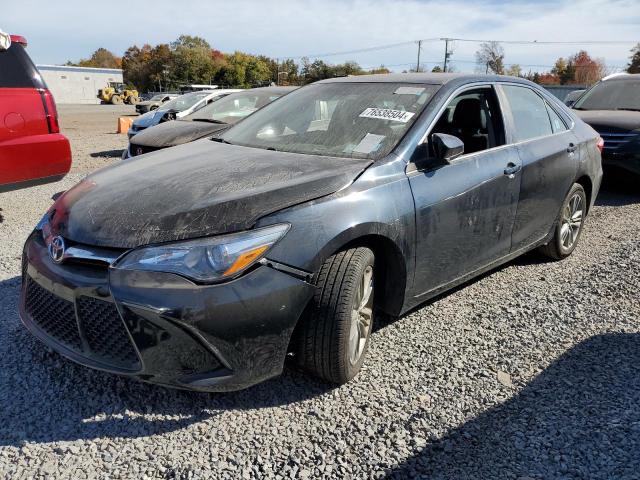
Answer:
[(97, 332), (613, 141), (53, 314), (105, 332)]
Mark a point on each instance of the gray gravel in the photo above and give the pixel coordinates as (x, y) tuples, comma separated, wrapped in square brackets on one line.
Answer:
[(532, 371)]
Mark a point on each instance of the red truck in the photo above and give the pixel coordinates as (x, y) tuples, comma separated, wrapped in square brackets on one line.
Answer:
[(32, 149)]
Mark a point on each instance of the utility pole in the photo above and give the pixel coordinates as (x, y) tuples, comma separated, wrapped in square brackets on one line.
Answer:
[(418, 63), (446, 53)]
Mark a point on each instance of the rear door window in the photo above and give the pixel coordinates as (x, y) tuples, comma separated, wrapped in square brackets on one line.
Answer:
[(557, 124), (529, 112), (17, 70)]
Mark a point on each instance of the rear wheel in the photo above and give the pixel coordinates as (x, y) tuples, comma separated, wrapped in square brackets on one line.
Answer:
[(335, 334), (569, 225), (116, 99), (132, 100)]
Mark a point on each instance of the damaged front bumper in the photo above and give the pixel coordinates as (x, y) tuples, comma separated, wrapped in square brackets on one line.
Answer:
[(160, 327)]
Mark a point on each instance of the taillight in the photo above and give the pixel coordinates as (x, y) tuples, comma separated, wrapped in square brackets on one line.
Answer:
[(50, 110), (600, 144)]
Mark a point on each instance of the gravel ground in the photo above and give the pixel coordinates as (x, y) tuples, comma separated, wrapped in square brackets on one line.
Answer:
[(530, 372)]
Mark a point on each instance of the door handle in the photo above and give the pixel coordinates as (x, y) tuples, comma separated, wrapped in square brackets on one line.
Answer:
[(571, 148), (512, 169)]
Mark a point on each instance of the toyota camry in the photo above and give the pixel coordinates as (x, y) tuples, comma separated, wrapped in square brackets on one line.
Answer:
[(294, 230)]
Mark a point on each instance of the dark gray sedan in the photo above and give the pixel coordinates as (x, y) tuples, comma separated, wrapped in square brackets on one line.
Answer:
[(294, 230)]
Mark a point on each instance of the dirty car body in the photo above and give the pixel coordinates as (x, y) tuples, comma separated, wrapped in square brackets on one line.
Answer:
[(106, 275)]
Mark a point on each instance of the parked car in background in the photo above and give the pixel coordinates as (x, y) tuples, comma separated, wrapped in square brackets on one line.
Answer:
[(612, 108), (177, 108), (209, 119), (154, 102), (571, 98), (204, 265), (32, 149)]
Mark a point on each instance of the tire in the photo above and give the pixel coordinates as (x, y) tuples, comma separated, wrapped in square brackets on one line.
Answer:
[(153, 107), (116, 99), (568, 226), (132, 100), (334, 336)]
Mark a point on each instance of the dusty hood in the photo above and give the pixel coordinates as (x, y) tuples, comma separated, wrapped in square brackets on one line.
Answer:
[(176, 132), (193, 190), (606, 119)]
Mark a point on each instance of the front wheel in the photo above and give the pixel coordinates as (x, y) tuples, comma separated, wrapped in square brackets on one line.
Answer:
[(569, 226), (116, 99), (335, 334)]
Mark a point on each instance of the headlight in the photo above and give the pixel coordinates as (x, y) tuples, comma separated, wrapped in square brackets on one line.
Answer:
[(207, 259)]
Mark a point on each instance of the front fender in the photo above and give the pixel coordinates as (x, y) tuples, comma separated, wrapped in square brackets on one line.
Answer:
[(379, 204)]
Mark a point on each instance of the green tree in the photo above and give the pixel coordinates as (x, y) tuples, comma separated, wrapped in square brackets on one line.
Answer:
[(634, 63), (101, 58), (436, 69), (192, 60), (244, 70)]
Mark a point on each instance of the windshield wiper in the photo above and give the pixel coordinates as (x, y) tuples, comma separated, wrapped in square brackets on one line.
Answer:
[(209, 120), (220, 140)]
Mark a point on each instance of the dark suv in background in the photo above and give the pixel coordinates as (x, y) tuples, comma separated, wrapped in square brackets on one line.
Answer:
[(612, 108), (32, 150)]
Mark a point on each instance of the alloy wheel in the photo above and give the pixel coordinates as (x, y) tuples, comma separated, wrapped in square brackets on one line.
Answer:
[(361, 316), (571, 221)]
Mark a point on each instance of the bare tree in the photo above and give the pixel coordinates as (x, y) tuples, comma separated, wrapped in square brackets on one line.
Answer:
[(490, 58)]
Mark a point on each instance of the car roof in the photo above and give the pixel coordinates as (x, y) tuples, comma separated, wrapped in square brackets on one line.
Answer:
[(274, 89), (426, 78), (622, 77)]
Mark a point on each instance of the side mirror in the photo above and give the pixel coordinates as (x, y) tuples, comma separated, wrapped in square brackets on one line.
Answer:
[(447, 147)]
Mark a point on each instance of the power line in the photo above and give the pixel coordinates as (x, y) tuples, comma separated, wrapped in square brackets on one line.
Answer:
[(547, 42), (469, 40)]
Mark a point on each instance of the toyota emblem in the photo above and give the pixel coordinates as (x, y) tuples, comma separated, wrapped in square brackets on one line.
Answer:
[(138, 151), (56, 249)]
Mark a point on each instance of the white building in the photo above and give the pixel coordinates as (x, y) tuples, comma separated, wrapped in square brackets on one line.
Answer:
[(77, 84)]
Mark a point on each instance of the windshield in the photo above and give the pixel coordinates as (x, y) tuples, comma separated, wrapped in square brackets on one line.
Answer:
[(363, 120), (183, 102), (234, 107), (611, 95), (156, 98)]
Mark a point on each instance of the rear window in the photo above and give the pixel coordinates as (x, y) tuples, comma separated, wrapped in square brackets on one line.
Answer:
[(529, 111), (17, 70)]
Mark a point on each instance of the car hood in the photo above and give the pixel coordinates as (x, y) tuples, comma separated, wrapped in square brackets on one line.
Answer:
[(148, 103), (622, 119), (147, 119), (176, 132), (193, 190)]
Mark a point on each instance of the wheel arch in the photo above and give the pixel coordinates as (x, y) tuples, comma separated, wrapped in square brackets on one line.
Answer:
[(390, 261), (586, 183)]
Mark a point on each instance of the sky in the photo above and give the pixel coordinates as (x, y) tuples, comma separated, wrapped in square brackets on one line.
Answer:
[(72, 29)]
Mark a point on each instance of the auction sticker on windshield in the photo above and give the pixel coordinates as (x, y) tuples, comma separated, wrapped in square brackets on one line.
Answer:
[(386, 114)]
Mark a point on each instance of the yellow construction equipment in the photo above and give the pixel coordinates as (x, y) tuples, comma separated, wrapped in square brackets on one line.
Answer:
[(116, 94)]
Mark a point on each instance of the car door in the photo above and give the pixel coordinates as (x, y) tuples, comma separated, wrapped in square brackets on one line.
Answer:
[(547, 150), (465, 210)]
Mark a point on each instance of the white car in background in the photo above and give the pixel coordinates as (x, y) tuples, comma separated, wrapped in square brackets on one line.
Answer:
[(177, 108)]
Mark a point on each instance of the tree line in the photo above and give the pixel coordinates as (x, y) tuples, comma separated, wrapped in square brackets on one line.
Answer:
[(192, 60), (579, 68)]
